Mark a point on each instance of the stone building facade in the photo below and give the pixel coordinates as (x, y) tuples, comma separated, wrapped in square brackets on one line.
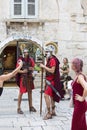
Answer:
[(61, 21)]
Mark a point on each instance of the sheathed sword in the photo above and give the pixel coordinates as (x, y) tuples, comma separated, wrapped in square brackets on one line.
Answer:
[(53, 88)]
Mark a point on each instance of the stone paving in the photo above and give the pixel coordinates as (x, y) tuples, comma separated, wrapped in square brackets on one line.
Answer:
[(10, 120)]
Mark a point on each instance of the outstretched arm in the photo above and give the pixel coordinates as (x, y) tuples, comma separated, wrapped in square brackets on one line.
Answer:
[(5, 77), (51, 70)]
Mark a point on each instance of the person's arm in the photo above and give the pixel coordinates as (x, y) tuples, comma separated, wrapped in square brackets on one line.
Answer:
[(66, 71), (23, 71), (51, 70), (5, 77), (83, 83), (52, 67)]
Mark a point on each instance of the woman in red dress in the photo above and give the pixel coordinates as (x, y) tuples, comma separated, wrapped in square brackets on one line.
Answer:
[(79, 87)]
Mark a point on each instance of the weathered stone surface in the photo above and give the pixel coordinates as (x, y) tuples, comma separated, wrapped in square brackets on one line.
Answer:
[(62, 21)]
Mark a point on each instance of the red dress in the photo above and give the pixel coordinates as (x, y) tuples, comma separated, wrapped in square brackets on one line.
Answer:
[(79, 113)]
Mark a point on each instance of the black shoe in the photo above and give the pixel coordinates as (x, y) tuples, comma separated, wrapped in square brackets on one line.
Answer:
[(68, 98), (1, 90)]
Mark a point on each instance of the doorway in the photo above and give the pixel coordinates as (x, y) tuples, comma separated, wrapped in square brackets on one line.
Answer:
[(9, 55)]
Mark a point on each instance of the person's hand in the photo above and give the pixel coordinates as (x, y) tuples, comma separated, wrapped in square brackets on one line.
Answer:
[(30, 68), (24, 71), (20, 63), (41, 65), (79, 98)]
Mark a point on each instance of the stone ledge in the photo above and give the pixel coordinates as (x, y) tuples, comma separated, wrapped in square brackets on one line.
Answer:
[(26, 21)]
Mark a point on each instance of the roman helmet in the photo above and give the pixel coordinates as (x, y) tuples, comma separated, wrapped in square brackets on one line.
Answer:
[(49, 51), (25, 50)]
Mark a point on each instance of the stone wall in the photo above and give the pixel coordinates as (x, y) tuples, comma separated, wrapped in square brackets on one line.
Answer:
[(62, 21), (72, 31)]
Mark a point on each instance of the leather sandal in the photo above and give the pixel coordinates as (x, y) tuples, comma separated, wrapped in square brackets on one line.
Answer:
[(19, 111), (47, 116), (53, 111), (53, 114), (32, 109)]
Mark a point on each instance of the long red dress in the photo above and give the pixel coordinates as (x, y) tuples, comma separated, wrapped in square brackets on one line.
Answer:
[(79, 113)]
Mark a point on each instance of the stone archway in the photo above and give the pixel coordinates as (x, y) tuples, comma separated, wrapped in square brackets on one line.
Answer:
[(17, 38), (6, 42)]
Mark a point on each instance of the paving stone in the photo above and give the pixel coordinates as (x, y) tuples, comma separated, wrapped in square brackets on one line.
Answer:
[(32, 128), (52, 127), (37, 123), (6, 122), (10, 128), (10, 120), (52, 122)]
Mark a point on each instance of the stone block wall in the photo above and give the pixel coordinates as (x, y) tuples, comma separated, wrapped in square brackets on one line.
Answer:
[(63, 22)]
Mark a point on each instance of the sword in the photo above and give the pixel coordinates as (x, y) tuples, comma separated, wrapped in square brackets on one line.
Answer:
[(49, 83)]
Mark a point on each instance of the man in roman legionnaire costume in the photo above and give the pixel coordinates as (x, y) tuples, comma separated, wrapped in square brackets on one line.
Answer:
[(26, 80), (52, 75)]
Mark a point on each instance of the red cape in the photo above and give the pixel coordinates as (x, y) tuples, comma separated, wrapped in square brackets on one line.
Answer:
[(57, 82)]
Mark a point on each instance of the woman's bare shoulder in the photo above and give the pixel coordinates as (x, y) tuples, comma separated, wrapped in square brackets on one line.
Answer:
[(81, 78)]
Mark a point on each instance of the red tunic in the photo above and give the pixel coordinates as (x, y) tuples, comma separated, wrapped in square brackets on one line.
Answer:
[(54, 79), (79, 117), (49, 90), (23, 88)]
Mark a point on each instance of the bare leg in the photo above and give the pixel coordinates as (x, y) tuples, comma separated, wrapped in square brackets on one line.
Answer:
[(31, 108), (53, 107), (30, 99), (69, 92), (19, 103), (65, 86), (47, 100), (48, 104)]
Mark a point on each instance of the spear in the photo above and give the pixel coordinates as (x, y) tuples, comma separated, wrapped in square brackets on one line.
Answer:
[(41, 84)]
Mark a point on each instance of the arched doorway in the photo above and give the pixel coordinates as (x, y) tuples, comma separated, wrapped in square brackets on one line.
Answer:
[(12, 47)]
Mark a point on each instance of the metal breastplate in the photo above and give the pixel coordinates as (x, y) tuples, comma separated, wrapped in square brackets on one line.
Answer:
[(26, 65)]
